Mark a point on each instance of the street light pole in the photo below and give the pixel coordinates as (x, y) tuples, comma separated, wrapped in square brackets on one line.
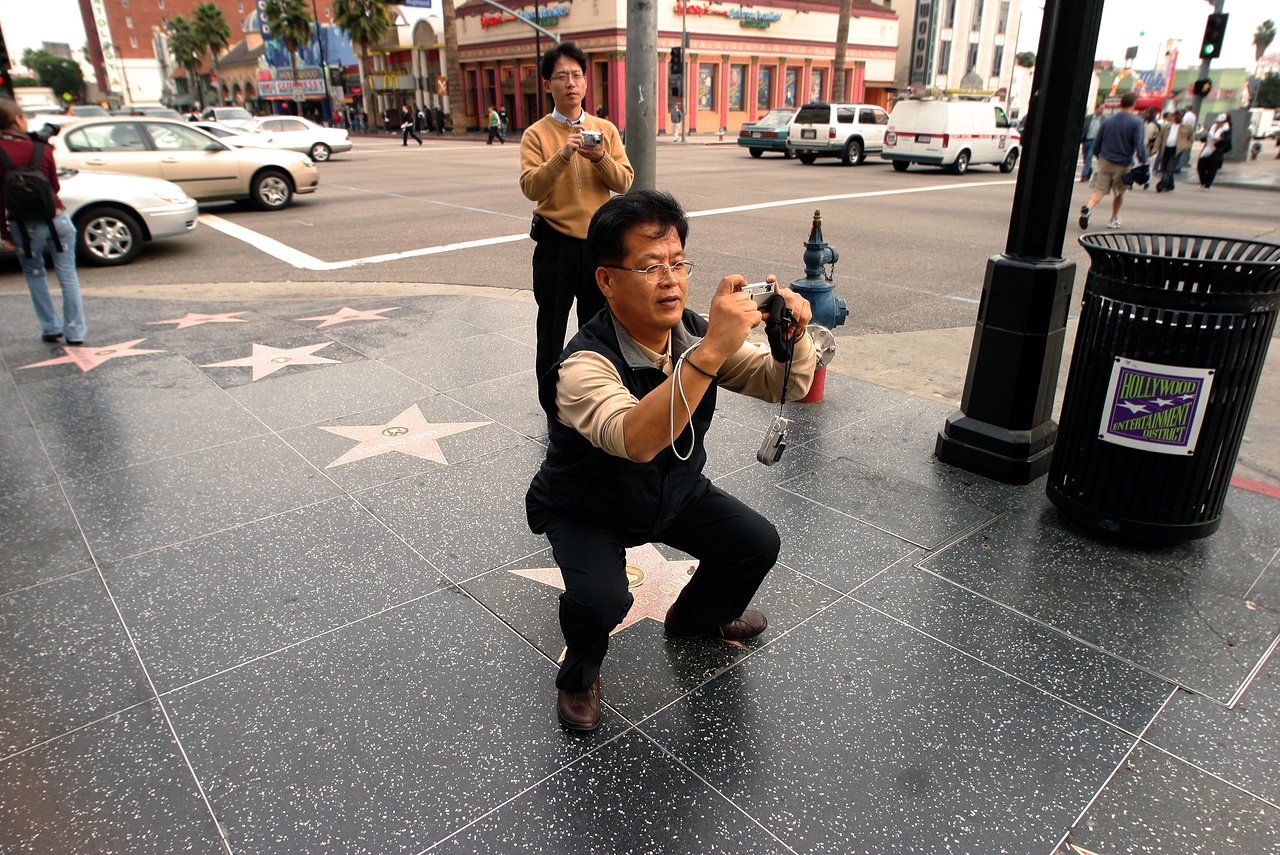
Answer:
[(324, 66), (684, 70)]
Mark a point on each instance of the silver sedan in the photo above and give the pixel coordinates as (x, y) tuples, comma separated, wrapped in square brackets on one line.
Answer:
[(116, 214)]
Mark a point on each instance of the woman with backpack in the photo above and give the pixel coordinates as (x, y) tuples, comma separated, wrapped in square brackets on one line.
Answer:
[(33, 220)]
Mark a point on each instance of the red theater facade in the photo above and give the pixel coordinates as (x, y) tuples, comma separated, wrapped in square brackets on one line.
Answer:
[(741, 60)]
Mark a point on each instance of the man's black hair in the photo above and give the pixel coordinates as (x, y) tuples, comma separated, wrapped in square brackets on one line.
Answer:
[(551, 57), (606, 236)]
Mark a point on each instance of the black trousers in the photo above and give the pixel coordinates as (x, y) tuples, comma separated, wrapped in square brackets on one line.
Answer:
[(562, 272), (735, 547), (1208, 168), (408, 132), (1167, 163)]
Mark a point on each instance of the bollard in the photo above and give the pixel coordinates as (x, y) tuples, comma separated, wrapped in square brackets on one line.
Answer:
[(829, 311)]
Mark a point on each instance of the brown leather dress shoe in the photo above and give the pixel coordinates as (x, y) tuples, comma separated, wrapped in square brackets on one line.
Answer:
[(580, 710), (750, 624)]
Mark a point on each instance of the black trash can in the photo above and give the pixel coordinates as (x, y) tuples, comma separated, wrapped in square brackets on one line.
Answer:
[(1173, 334)]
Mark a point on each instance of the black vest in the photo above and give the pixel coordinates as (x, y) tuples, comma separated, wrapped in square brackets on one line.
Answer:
[(579, 479)]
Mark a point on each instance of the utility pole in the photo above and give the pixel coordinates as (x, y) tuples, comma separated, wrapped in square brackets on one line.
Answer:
[(327, 113), (641, 129), (684, 71)]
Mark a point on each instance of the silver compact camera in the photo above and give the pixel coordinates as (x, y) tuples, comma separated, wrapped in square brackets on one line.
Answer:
[(591, 139), (775, 440), (760, 292)]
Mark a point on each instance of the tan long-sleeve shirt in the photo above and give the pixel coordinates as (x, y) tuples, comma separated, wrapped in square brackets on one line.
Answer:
[(568, 192)]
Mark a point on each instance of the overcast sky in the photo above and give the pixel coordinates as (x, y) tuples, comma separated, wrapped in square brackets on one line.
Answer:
[(1145, 23)]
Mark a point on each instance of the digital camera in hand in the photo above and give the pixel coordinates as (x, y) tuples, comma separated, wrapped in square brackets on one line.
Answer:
[(591, 139), (775, 441), (760, 292)]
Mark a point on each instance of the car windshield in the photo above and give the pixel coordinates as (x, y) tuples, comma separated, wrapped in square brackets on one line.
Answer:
[(775, 118), (232, 113)]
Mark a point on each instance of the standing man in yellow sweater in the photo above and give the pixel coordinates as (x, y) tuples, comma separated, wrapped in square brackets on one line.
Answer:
[(569, 180)]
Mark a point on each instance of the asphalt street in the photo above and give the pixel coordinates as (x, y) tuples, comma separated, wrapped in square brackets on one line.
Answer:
[(913, 246)]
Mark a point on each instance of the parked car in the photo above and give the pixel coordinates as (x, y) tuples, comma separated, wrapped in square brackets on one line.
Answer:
[(846, 131), (238, 137), (768, 133), (87, 110), (950, 134), (297, 134), (158, 112), (116, 214), (230, 116), (208, 170)]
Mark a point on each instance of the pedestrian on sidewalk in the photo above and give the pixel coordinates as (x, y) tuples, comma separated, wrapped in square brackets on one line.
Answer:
[(495, 127), (1177, 140), (568, 181), (439, 122), (628, 405), (406, 126), (1216, 145), (677, 119), (31, 238), (1119, 143), (1092, 124)]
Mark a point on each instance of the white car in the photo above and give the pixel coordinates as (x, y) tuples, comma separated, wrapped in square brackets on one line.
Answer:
[(116, 214), (208, 170), (847, 131), (295, 134), (238, 137), (230, 116)]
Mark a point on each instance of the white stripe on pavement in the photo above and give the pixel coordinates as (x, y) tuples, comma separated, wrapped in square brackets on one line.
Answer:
[(302, 261)]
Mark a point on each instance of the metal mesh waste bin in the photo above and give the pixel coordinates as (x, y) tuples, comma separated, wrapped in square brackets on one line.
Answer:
[(1172, 338)]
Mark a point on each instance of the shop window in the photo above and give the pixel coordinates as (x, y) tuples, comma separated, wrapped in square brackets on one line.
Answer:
[(764, 88), (706, 86), (737, 91), (789, 87), (817, 77)]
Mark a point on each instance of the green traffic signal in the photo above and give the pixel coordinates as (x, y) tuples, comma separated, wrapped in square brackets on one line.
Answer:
[(1215, 29)]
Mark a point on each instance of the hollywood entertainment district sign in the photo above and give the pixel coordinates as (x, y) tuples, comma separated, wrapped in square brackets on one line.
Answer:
[(1155, 407)]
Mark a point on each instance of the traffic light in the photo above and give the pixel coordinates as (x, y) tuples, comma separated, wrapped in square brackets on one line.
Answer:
[(676, 66), (1214, 30), (1202, 88)]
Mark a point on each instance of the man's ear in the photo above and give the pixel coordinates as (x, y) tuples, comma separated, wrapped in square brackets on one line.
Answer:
[(604, 282)]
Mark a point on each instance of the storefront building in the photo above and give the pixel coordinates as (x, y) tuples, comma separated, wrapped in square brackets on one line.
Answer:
[(742, 60)]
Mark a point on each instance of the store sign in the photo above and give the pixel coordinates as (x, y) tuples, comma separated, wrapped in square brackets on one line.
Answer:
[(278, 82), (1155, 407), (754, 20), (688, 9), (548, 17)]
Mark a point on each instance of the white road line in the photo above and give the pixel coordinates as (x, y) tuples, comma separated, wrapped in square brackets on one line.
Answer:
[(302, 261)]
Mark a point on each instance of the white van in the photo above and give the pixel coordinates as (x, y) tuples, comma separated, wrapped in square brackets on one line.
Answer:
[(951, 134)]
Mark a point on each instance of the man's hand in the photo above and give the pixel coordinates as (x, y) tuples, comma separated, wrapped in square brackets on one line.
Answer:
[(573, 144), (801, 311), (9, 246), (733, 314)]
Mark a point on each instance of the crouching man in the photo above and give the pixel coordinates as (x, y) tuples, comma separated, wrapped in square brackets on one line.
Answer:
[(625, 454)]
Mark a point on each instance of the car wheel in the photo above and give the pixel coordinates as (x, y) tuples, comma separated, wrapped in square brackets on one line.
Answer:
[(807, 158), (756, 152), (271, 190), (788, 153), (107, 236), (901, 165), (961, 166), (852, 153), (321, 152), (1010, 161)]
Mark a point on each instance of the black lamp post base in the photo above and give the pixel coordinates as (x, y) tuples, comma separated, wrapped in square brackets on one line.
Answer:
[(1001, 454)]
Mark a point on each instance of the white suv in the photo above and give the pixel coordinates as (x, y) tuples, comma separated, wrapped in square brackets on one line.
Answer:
[(846, 131)]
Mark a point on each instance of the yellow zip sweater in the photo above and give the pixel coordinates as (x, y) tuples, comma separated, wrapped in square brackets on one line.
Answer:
[(568, 193)]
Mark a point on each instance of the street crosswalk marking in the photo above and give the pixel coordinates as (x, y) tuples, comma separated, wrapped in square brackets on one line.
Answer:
[(301, 260)]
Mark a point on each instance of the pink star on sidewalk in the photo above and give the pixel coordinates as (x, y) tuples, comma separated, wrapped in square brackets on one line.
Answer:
[(86, 358), (268, 360), (408, 433), (655, 583), (348, 314), (195, 319)]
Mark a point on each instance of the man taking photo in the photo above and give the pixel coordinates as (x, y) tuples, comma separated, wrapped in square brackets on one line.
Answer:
[(628, 403)]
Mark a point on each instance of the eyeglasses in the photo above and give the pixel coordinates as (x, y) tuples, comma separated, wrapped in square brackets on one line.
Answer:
[(655, 273), (565, 77)]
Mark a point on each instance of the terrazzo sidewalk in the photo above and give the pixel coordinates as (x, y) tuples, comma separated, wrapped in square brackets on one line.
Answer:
[(266, 586)]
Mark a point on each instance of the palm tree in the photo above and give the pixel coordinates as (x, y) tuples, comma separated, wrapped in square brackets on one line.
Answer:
[(187, 50), (214, 34), (842, 46), (365, 22), (290, 22), (1262, 38), (457, 109)]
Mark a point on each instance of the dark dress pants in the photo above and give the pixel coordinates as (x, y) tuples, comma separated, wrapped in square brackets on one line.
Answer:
[(1167, 164), (735, 547), (561, 272), (1208, 168)]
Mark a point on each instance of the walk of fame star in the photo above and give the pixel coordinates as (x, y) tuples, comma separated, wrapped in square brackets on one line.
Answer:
[(408, 433), (86, 358), (348, 314), (195, 319), (268, 360), (655, 583)]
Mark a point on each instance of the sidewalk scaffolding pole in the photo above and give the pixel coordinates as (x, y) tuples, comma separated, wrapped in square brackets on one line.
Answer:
[(1004, 429), (1173, 335)]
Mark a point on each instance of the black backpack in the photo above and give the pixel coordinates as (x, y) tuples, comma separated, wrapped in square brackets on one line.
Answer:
[(28, 195)]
